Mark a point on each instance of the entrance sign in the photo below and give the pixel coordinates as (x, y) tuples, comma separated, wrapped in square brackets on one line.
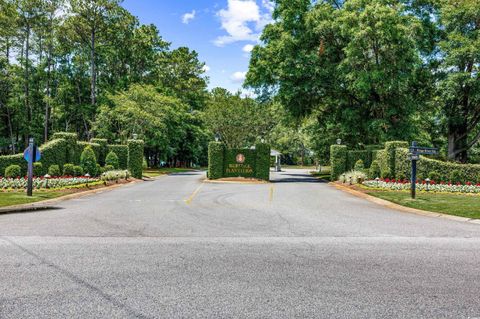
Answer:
[(414, 156)]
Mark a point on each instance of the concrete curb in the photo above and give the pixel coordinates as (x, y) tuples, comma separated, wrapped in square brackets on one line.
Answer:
[(235, 182), (49, 203), (387, 204)]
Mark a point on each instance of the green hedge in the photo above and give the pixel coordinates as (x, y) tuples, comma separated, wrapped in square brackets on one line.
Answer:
[(262, 161), (382, 160), (112, 160), (354, 156), (88, 161), (81, 146), (216, 153), (444, 170), (135, 157), (390, 148), (122, 153), (17, 159), (103, 151), (338, 160), (54, 153), (71, 146)]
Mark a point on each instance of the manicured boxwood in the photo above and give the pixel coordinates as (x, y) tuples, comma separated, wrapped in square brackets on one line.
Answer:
[(122, 154), (54, 171), (69, 169), (16, 159), (88, 161), (383, 163), (81, 146), (216, 155), (13, 171), (78, 170), (374, 170), (354, 156), (135, 157), (262, 161), (103, 150), (338, 160), (38, 169), (112, 160)]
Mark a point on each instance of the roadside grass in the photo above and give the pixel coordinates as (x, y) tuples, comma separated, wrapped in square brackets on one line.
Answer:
[(18, 198), (462, 205), (155, 172), (324, 173)]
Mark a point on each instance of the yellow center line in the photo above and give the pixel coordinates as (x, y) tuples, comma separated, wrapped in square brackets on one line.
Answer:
[(190, 199), (270, 196)]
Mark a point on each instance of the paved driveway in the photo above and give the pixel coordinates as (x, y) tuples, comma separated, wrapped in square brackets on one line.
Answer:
[(180, 248)]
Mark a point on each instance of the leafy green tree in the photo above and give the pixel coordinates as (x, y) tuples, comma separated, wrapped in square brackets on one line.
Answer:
[(88, 161)]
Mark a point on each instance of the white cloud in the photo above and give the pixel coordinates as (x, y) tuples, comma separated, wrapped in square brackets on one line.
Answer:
[(187, 17), (206, 68), (238, 77), (248, 48)]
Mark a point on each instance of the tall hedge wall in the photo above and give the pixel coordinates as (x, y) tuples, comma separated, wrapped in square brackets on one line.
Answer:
[(81, 146), (425, 166), (71, 146), (135, 157), (103, 151), (122, 153), (262, 161), (215, 160), (390, 148), (338, 160), (53, 153)]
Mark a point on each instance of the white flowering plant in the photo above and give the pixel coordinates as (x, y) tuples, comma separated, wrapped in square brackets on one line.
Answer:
[(432, 186), (44, 183)]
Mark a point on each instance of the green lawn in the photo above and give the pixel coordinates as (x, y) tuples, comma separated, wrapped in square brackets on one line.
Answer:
[(154, 172), (452, 204), (14, 198)]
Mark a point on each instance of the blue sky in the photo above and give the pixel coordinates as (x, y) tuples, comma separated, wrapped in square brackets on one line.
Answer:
[(221, 31)]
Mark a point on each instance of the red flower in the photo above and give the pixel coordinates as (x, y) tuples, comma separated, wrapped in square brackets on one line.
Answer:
[(469, 183)]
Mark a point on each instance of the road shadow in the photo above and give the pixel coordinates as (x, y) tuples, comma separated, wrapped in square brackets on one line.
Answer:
[(296, 178)]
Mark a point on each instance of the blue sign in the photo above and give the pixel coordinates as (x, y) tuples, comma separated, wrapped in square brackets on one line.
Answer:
[(27, 154)]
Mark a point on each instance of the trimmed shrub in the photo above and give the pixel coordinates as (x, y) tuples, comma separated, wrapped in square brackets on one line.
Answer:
[(88, 161), (354, 156), (54, 153), (78, 171), (13, 171), (434, 176), (338, 160), (71, 144), (216, 153), (112, 160), (54, 171), (403, 166), (37, 169), (374, 170), (456, 176), (390, 149), (359, 165), (108, 168), (383, 163), (17, 159), (135, 157), (82, 145), (102, 151), (69, 170), (262, 161), (122, 153)]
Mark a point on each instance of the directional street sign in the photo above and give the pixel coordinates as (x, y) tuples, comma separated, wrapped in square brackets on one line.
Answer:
[(423, 150), (27, 154), (414, 156)]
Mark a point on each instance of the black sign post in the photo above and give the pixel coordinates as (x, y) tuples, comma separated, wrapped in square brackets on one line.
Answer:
[(415, 152)]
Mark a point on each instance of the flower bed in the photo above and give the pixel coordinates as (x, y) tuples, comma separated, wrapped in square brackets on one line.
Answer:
[(43, 183), (424, 186)]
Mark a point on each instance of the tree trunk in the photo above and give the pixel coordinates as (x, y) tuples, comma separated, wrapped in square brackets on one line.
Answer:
[(457, 142)]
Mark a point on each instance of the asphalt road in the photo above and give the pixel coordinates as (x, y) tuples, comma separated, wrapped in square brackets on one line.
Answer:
[(180, 248)]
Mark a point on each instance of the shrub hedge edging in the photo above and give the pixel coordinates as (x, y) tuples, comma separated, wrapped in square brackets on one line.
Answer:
[(216, 153), (135, 157), (338, 160)]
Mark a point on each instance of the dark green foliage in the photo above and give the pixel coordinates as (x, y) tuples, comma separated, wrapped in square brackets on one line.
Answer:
[(390, 148), (54, 171), (13, 171), (215, 160), (69, 170), (457, 176), (135, 157), (78, 171), (71, 144), (38, 169), (112, 160), (144, 163), (434, 176), (54, 153), (354, 156), (338, 160), (359, 165), (108, 168), (103, 149), (100, 170), (81, 146), (383, 163), (16, 159), (262, 161), (88, 161), (403, 165), (122, 153), (374, 170)]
